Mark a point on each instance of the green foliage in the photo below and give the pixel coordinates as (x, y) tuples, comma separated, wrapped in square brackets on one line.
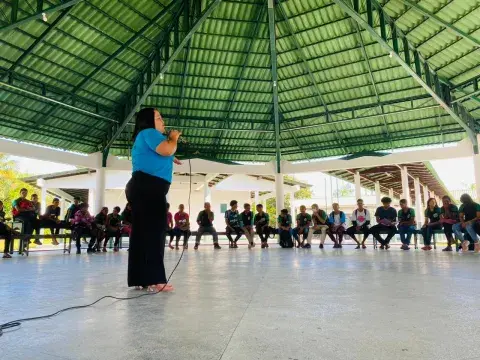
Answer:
[(272, 207), (10, 183)]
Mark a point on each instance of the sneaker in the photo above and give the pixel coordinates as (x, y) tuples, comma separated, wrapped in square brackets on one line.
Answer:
[(426, 248), (340, 246), (321, 246), (382, 247), (465, 245), (195, 247), (215, 246), (116, 249), (448, 248), (7, 256), (387, 247), (263, 246), (307, 246), (171, 246), (364, 246), (38, 242), (358, 247)]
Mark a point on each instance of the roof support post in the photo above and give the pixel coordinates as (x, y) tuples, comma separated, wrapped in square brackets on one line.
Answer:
[(418, 202), (132, 104), (16, 22), (276, 115), (405, 186), (378, 193), (457, 112), (279, 192), (358, 185)]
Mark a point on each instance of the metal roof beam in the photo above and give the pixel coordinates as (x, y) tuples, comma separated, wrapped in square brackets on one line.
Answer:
[(442, 22), (37, 42), (306, 66), (247, 49), (154, 73), (39, 13), (428, 79), (273, 63)]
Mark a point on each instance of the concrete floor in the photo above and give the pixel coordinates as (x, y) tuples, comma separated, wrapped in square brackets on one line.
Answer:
[(239, 304)]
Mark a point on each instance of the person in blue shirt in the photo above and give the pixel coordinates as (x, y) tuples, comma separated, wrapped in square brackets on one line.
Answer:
[(336, 221), (152, 162)]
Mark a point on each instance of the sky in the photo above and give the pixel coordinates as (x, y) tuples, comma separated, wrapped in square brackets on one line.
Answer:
[(455, 173)]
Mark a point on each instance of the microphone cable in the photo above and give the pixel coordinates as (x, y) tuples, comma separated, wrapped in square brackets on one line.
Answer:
[(17, 323)]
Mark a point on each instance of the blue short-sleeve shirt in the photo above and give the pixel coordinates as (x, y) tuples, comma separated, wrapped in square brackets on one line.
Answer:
[(147, 160)]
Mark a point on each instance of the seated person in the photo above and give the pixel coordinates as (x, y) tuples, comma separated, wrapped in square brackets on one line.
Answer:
[(127, 220), (205, 225), (360, 223), (50, 219), (448, 217), (82, 225), (285, 232), (234, 224), (182, 227), (262, 221), (336, 220), (113, 228), (320, 224), (303, 225), (6, 232), (386, 217), (170, 231), (99, 228), (432, 223), (469, 215), (247, 222), (24, 211), (72, 210), (406, 224), (37, 223)]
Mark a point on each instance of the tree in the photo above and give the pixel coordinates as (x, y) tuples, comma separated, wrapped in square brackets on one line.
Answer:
[(11, 183), (305, 193), (344, 191)]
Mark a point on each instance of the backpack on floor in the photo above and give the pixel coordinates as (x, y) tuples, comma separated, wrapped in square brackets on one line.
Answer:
[(286, 240)]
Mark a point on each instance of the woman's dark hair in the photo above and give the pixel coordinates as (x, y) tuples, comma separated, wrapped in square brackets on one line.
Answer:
[(428, 202), (466, 199), (144, 119), (117, 208), (284, 211), (446, 197)]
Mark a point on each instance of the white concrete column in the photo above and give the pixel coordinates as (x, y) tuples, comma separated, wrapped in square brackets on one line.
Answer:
[(99, 197), (418, 203), (255, 200), (476, 170), (405, 188), (279, 192), (378, 194), (390, 193), (432, 195), (426, 195), (292, 205), (358, 185), (207, 192), (91, 201)]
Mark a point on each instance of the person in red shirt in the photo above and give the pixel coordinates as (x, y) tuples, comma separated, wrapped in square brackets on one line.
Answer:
[(182, 227), (170, 227)]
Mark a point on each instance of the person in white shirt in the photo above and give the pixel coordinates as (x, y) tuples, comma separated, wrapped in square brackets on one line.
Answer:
[(360, 222)]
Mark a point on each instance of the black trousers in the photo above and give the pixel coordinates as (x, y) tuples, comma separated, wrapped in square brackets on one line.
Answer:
[(147, 196), (377, 229), (364, 229), (6, 232), (447, 229), (52, 225), (178, 234), (80, 231), (236, 230), (115, 233), (263, 232)]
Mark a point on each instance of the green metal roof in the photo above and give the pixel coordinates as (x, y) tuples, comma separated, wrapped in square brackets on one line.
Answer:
[(67, 82)]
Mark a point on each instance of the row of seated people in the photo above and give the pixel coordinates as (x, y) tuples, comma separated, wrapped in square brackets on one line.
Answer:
[(464, 222), (102, 227)]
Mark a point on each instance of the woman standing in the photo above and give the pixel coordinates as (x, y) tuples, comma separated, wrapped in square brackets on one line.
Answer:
[(152, 161)]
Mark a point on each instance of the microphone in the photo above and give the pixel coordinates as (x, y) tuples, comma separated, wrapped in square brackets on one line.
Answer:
[(180, 140)]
